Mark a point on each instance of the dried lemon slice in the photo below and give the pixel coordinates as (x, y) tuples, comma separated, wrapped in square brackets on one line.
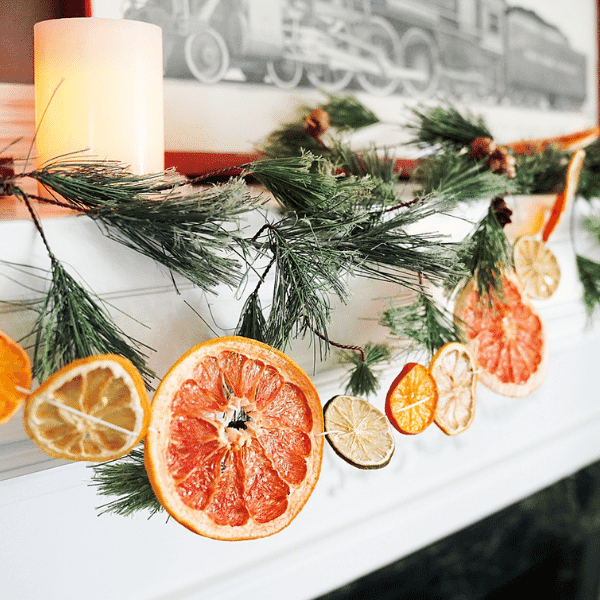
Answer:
[(358, 432), (536, 267), (453, 369), (92, 409)]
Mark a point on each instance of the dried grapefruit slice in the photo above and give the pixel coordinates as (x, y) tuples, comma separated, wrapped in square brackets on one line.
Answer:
[(536, 267), (506, 338), (412, 399), (232, 450), (358, 432), (572, 141), (94, 409), (454, 372), (15, 377)]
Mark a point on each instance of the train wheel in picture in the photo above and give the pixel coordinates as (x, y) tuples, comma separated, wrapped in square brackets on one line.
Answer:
[(207, 56), (323, 75), (385, 48), (285, 73), (419, 52)]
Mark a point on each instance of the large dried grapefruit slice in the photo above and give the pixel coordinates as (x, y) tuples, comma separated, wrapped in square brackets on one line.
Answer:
[(358, 432), (412, 399), (15, 377), (506, 337), (94, 409), (232, 450), (453, 369)]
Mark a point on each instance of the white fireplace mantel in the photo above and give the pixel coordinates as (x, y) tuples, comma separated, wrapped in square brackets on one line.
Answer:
[(55, 546)]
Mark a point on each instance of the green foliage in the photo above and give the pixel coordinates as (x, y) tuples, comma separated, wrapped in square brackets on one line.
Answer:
[(127, 479), (589, 275), (589, 184), (72, 324), (485, 254), (445, 126), (362, 381), (425, 323), (457, 178), (346, 112), (542, 173)]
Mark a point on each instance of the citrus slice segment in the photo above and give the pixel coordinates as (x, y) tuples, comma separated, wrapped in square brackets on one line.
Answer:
[(358, 432), (15, 377), (412, 399), (235, 441), (571, 141), (506, 337), (93, 409), (536, 267), (565, 198), (454, 372)]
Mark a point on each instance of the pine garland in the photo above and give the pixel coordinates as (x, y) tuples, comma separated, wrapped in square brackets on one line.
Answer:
[(589, 275)]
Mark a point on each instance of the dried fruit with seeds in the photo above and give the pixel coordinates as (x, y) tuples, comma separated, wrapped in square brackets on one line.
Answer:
[(235, 441), (536, 267)]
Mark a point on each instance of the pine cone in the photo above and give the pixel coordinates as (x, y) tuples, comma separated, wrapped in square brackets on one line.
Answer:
[(503, 213), (501, 162), (481, 148), (317, 122)]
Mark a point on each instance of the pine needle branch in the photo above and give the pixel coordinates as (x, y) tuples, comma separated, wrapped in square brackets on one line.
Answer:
[(127, 479), (363, 381), (589, 275), (74, 324), (487, 255), (348, 113), (425, 323), (446, 127)]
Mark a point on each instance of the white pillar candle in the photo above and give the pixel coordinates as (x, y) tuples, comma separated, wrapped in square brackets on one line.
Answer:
[(99, 89)]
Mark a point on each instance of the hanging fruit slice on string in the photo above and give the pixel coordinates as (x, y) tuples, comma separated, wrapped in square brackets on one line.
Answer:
[(412, 399), (572, 141), (15, 377), (566, 197), (506, 337), (454, 372), (235, 441), (536, 267), (93, 409), (358, 432)]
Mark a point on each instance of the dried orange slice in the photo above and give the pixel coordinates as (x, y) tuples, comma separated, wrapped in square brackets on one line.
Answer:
[(565, 198), (506, 337), (412, 399), (358, 432), (15, 377), (94, 409), (454, 372), (235, 441), (536, 267), (572, 141)]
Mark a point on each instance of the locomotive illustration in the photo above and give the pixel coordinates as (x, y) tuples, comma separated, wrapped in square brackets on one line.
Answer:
[(421, 48)]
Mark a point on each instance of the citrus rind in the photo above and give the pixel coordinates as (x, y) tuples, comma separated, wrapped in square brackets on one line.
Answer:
[(412, 399), (93, 409), (15, 377), (454, 371), (222, 476), (358, 432), (536, 267)]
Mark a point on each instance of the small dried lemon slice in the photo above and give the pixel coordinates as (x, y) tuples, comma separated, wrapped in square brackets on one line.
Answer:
[(92, 409), (358, 432), (453, 369), (536, 267)]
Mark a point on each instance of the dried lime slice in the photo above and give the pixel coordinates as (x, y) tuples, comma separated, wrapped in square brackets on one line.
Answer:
[(358, 432)]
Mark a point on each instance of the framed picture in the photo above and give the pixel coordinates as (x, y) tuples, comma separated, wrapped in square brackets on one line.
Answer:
[(235, 70)]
